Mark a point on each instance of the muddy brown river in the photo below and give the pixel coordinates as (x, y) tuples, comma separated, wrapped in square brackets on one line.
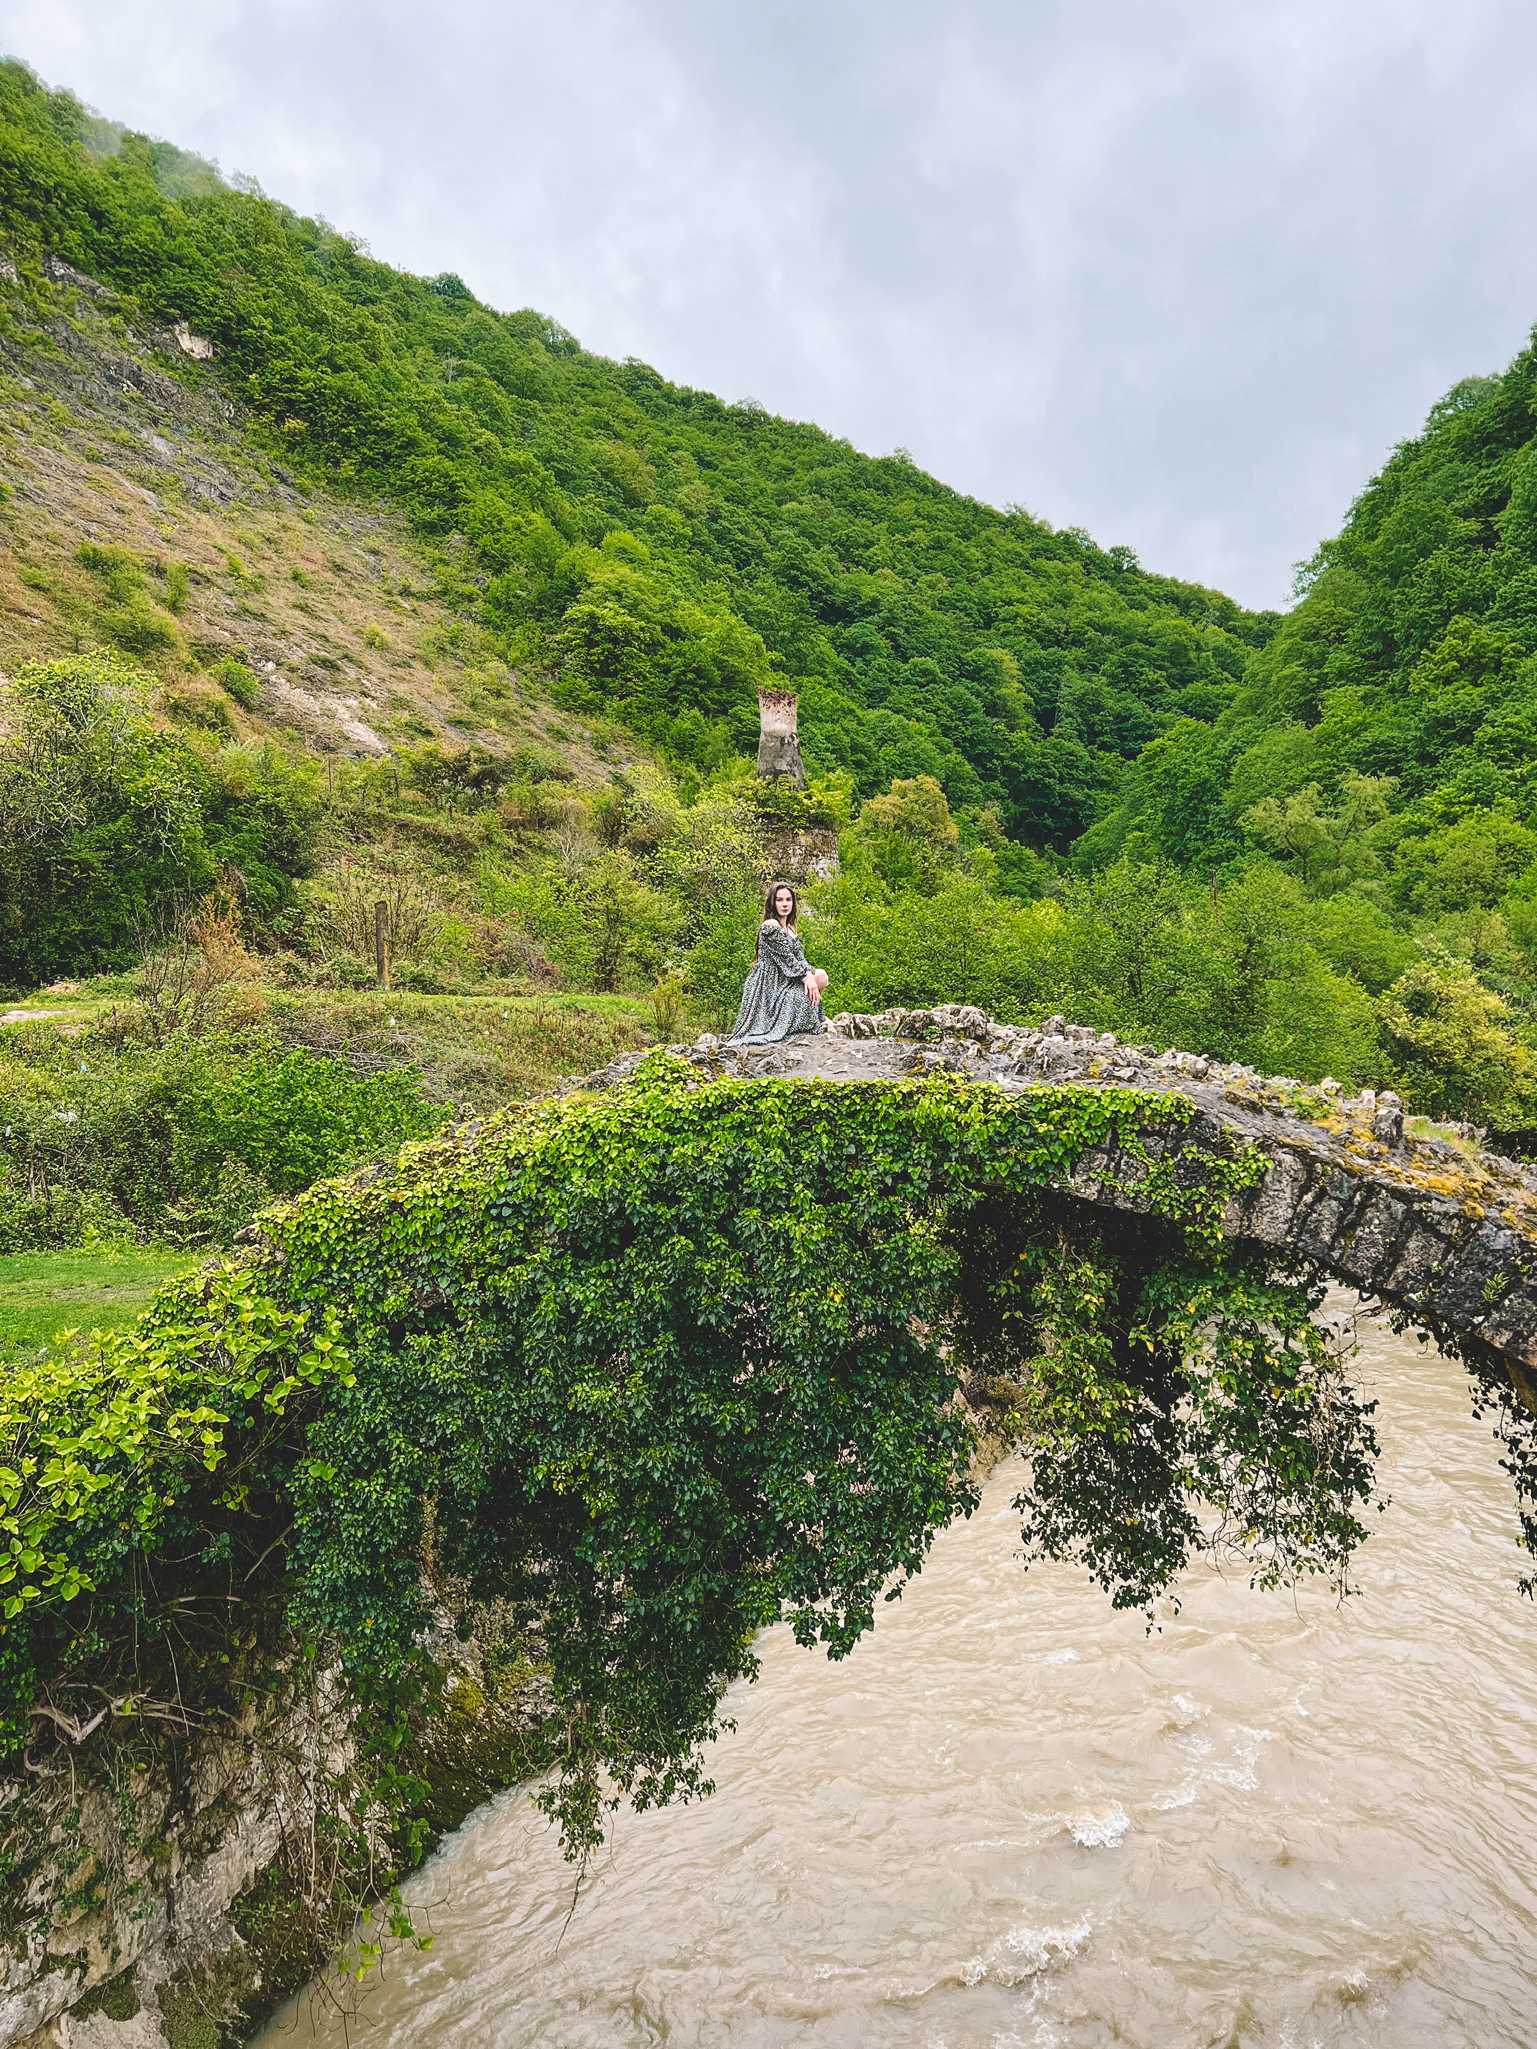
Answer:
[(1012, 1820)]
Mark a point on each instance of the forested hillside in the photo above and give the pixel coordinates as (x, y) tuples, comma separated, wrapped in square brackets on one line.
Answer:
[(323, 585), (1383, 752), (1407, 663), (657, 551)]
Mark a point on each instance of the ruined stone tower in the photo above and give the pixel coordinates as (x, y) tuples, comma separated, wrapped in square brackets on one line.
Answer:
[(779, 748)]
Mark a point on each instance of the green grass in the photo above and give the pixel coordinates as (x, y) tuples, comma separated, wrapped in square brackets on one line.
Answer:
[(45, 1294), (476, 1051)]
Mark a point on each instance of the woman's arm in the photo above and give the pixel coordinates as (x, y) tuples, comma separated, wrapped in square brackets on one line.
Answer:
[(778, 944)]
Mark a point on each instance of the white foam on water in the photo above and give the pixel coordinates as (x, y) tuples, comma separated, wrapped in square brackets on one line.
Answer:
[(1104, 1829), (1026, 1953), (1040, 1948), (1185, 1795), (1240, 1774)]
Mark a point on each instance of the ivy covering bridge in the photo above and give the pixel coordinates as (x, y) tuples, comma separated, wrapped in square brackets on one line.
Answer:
[(658, 1367), (625, 1376)]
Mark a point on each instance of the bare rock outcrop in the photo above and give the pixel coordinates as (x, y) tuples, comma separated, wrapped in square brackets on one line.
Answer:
[(160, 1895)]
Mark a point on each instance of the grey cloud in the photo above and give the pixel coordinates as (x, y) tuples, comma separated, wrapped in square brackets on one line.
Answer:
[(1179, 271)]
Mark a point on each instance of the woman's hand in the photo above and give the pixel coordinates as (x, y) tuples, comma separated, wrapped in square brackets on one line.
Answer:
[(813, 986)]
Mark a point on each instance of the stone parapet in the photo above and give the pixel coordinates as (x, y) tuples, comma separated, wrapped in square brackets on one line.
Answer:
[(1418, 1215)]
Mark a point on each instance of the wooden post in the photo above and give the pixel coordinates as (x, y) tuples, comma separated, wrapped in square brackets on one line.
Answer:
[(381, 947)]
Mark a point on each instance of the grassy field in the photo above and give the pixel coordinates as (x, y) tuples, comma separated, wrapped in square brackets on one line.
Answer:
[(471, 1056), (45, 1294), (476, 1051)]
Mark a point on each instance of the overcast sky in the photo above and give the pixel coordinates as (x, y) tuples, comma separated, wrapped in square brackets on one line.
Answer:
[(1177, 271)]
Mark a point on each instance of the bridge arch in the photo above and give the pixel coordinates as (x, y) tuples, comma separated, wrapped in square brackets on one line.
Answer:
[(678, 1353), (704, 1343)]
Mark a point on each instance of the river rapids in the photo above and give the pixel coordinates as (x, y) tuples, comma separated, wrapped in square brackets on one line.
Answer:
[(1014, 1820)]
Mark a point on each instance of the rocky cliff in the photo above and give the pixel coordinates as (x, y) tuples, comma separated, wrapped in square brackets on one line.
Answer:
[(164, 1885)]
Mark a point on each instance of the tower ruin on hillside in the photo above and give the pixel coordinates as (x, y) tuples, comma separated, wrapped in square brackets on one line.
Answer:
[(779, 747)]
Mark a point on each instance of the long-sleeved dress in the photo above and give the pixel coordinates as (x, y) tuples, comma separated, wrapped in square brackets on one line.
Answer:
[(775, 1005)]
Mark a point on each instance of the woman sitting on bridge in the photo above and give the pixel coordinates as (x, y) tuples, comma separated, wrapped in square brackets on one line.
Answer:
[(783, 995)]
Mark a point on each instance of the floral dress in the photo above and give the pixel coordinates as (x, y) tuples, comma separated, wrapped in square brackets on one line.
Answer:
[(775, 1005)]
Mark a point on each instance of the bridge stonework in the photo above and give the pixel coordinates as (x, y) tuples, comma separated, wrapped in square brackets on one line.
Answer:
[(1417, 1215)]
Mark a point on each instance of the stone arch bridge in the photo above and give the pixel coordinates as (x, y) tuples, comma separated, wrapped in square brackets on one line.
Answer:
[(1419, 1215)]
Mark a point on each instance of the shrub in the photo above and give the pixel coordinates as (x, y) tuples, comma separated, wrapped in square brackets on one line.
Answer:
[(141, 628), (721, 958), (238, 681), (667, 1007), (350, 971), (109, 828), (150, 1138), (603, 924), (421, 978), (101, 818), (188, 979), (533, 765), (1453, 1046), (344, 909), (961, 944), (56, 1220), (198, 704)]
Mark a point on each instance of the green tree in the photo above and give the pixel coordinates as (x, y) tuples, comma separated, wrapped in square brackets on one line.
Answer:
[(1228, 972), (101, 819), (1326, 847), (959, 943), (909, 834), (1453, 1044), (601, 921)]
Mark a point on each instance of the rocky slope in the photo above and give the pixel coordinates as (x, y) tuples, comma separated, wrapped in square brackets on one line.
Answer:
[(141, 511)]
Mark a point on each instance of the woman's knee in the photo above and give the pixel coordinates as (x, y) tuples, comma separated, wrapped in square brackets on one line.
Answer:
[(821, 977)]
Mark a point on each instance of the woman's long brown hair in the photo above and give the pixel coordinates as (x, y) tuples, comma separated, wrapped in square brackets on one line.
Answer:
[(770, 912)]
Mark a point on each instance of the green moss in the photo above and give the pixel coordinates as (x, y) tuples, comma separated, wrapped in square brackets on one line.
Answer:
[(206, 2009), (116, 2000), (477, 1747)]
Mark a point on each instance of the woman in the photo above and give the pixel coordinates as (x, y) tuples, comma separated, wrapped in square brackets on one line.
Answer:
[(783, 995)]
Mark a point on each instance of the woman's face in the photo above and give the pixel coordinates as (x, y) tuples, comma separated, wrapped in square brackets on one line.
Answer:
[(784, 903)]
